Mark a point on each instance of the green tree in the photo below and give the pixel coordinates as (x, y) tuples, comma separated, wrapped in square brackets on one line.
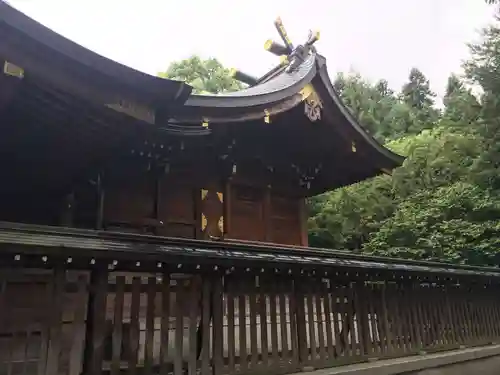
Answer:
[(418, 96), (206, 76), (483, 69)]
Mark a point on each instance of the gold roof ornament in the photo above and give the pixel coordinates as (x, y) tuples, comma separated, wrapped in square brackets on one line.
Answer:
[(13, 70)]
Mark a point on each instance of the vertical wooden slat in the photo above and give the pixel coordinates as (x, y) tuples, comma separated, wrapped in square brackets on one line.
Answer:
[(80, 314), (396, 319), (294, 325), (218, 327), (134, 325), (44, 334), (206, 316), (150, 325), (310, 324), (242, 325), (165, 323), (359, 299), (97, 311), (387, 336), (373, 320), (117, 335), (231, 344), (285, 352), (330, 334), (420, 321), (344, 319), (193, 323), (179, 329), (54, 348), (319, 323), (334, 292), (263, 326), (273, 312), (404, 316), (253, 325)]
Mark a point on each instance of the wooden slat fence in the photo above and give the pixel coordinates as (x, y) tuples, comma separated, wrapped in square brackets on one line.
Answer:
[(69, 322)]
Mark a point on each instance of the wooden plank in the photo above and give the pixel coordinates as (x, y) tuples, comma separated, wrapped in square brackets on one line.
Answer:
[(313, 350), (285, 352), (218, 327), (231, 344), (319, 323), (253, 326), (150, 325), (357, 344), (179, 330), (273, 312), (294, 329), (134, 325), (373, 334), (334, 294), (344, 319), (117, 335), (263, 327), (387, 336), (205, 327), (55, 336), (165, 323), (44, 334), (330, 334), (242, 325), (420, 321), (193, 322)]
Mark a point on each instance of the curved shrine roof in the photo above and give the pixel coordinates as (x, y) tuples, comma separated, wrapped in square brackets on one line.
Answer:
[(29, 37)]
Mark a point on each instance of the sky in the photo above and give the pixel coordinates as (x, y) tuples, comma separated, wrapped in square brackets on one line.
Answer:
[(377, 38)]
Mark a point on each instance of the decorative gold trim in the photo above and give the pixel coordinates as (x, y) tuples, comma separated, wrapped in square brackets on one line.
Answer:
[(203, 221), (220, 224), (267, 119), (13, 70), (204, 193), (220, 196), (306, 91), (268, 44), (205, 123)]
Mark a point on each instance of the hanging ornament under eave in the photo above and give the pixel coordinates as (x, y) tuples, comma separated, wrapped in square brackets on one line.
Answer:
[(353, 147), (267, 119), (13, 70)]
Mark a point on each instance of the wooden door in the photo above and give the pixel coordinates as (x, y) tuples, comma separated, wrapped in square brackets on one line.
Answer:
[(212, 213), (176, 209)]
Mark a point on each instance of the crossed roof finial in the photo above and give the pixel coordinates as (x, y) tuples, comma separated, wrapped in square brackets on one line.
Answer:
[(293, 56), (290, 55)]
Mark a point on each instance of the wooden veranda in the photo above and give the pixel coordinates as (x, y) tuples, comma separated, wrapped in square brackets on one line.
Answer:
[(82, 302)]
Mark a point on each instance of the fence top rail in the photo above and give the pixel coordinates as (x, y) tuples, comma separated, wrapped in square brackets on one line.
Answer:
[(79, 241)]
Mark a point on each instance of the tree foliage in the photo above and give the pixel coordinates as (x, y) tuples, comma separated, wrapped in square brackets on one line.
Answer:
[(206, 76), (444, 202)]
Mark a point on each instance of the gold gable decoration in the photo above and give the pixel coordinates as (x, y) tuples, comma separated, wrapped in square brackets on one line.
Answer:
[(312, 103)]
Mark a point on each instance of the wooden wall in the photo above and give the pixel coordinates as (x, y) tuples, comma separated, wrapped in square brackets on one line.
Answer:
[(180, 206)]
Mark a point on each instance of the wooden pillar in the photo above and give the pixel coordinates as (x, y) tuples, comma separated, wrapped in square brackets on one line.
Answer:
[(100, 203), (96, 321), (267, 215), (304, 239), (227, 208)]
